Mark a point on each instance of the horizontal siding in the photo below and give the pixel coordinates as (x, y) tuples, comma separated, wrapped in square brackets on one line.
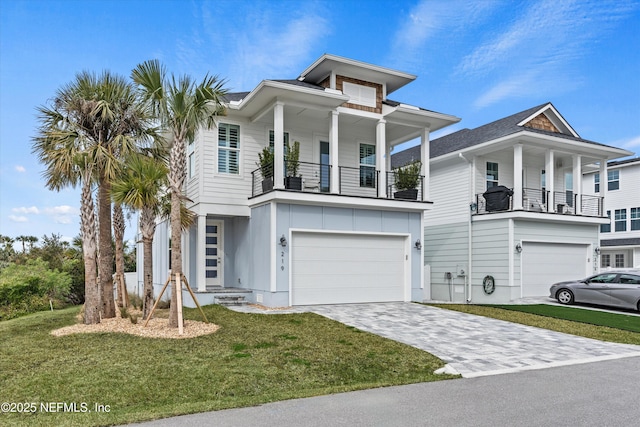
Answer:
[(450, 194), (446, 247)]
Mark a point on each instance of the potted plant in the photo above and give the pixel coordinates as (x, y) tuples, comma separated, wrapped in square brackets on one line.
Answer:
[(265, 164), (292, 155), (407, 181)]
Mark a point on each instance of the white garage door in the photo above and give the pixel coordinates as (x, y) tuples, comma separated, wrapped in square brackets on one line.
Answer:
[(544, 264), (346, 268)]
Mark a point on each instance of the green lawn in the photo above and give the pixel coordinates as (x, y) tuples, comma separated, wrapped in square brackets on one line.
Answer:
[(603, 326), (252, 359)]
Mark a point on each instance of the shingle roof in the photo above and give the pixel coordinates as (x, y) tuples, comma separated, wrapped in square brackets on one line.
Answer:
[(466, 138)]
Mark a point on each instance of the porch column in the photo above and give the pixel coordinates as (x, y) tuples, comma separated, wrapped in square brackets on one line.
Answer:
[(577, 183), (381, 144), (550, 177), (278, 145), (604, 186), (517, 177), (425, 170), (201, 231), (334, 180)]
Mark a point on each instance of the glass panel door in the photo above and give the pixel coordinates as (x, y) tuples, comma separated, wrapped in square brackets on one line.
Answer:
[(213, 253), (325, 169)]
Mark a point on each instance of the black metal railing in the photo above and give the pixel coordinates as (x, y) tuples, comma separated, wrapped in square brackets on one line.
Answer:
[(540, 200), (305, 176), (361, 182), (414, 192)]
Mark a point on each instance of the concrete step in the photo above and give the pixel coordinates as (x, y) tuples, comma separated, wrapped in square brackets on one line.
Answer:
[(230, 300)]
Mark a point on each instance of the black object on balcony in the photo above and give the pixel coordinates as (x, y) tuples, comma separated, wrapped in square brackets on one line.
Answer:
[(497, 198)]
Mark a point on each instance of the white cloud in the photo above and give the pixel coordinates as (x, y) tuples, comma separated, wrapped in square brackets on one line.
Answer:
[(62, 219), (24, 210), (16, 218), (63, 209), (20, 168)]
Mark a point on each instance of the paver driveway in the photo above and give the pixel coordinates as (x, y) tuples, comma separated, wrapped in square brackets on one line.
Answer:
[(473, 345)]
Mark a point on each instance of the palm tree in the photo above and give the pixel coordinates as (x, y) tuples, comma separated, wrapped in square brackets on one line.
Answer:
[(31, 240), (140, 188), (22, 239), (119, 227), (182, 106), (92, 121)]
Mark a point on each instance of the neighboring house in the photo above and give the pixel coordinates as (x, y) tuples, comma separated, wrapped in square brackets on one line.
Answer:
[(619, 238), (342, 236), (509, 219)]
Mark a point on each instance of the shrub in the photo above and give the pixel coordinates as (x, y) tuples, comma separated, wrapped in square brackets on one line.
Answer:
[(408, 176), (28, 288)]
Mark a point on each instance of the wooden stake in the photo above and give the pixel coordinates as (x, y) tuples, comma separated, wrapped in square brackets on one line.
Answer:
[(157, 300), (184, 278), (178, 289)]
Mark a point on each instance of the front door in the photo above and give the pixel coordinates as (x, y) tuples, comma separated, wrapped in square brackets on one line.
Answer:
[(213, 252)]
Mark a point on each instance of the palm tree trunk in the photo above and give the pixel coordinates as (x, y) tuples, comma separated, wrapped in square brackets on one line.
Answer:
[(92, 298), (105, 250), (118, 234), (147, 267)]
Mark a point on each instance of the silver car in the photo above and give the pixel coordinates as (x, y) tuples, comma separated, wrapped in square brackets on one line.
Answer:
[(616, 288)]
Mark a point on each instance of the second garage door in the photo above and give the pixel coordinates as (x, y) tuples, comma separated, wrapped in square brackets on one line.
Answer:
[(335, 268), (544, 264)]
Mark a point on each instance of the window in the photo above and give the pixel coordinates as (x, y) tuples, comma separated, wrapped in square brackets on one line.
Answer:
[(596, 183), (492, 174), (272, 138), (543, 185), (606, 228), (359, 94), (367, 165), (603, 278), (621, 219), (619, 260), (605, 260), (568, 186), (192, 164), (613, 178), (228, 148), (635, 218), (630, 279)]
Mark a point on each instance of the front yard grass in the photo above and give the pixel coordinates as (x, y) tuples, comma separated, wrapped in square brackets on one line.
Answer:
[(252, 359), (602, 326)]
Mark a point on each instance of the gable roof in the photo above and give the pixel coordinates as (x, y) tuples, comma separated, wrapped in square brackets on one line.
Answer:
[(543, 119)]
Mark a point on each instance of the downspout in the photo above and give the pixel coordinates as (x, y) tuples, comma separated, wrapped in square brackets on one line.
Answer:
[(467, 277)]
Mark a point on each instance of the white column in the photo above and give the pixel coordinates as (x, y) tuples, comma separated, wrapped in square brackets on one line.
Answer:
[(334, 184), (517, 177), (577, 183), (604, 179), (201, 233), (278, 145), (381, 144), (426, 166), (550, 177)]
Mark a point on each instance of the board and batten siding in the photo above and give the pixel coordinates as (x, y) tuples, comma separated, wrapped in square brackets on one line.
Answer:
[(490, 255), (446, 248)]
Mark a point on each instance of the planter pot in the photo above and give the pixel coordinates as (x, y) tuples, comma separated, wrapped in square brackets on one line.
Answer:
[(267, 184), (410, 194), (293, 183)]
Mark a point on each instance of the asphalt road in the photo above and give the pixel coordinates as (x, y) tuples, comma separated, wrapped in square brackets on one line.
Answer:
[(591, 394)]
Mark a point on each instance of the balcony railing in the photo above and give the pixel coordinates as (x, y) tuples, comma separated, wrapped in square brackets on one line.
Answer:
[(316, 178), (537, 200)]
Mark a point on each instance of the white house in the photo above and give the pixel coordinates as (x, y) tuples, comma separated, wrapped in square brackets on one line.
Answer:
[(619, 238), (341, 236), (508, 217)]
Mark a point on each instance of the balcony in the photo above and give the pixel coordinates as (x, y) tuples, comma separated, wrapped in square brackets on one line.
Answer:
[(355, 182), (537, 200)]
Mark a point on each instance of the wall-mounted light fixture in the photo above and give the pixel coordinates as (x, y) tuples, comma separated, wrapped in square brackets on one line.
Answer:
[(418, 244), (518, 248), (283, 241), (597, 250)]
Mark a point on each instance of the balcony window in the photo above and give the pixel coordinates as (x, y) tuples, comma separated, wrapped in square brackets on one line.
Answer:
[(228, 148), (613, 180), (492, 174), (635, 219), (621, 219), (596, 183), (367, 165)]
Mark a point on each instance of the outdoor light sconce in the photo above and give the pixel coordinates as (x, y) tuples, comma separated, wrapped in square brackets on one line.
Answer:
[(418, 244), (597, 251), (518, 248), (283, 241)]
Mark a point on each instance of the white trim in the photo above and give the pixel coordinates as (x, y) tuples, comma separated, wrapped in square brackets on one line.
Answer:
[(272, 245), (542, 217), (407, 267), (557, 115)]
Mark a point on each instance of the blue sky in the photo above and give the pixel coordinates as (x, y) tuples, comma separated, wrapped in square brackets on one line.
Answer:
[(478, 60)]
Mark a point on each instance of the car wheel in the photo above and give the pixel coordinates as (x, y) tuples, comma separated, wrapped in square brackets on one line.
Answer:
[(564, 296)]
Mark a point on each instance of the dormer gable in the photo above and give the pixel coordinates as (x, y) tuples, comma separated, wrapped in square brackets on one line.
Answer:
[(548, 119)]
